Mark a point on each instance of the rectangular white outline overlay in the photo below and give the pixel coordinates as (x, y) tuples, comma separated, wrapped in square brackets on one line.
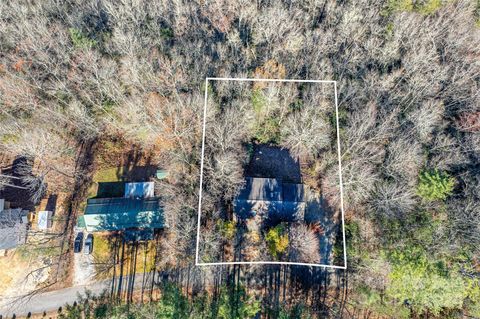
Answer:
[(201, 179)]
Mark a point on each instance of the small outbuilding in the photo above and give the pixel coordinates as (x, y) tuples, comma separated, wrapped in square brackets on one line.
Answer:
[(45, 220), (139, 190)]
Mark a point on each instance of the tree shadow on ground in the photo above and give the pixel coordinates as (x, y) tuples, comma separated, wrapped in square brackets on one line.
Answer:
[(16, 195), (137, 167), (110, 189), (51, 203), (273, 162)]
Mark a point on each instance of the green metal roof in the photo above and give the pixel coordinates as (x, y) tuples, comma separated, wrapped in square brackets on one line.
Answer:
[(81, 222), (161, 174), (123, 213)]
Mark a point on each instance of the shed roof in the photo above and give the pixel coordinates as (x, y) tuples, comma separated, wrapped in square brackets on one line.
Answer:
[(161, 174), (44, 219), (139, 190)]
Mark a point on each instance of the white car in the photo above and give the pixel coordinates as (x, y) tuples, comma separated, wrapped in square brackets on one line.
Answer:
[(88, 248)]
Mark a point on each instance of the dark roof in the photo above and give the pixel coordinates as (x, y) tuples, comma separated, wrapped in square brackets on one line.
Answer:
[(120, 205), (266, 189), (292, 192), (123, 213), (270, 189), (281, 200)]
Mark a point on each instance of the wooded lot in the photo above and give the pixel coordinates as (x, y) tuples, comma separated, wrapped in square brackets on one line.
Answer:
[(82, 77)]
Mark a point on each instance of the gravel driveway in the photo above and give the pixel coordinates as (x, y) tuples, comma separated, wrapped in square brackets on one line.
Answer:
[(84, 267)]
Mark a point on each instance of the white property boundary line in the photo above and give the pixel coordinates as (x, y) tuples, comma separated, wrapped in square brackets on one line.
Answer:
[(197, 263)]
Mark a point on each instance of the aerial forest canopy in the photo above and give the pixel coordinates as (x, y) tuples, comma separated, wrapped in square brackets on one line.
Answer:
[(76, 75)]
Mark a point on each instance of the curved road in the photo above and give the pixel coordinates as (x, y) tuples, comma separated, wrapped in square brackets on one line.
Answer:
[(51, 301)]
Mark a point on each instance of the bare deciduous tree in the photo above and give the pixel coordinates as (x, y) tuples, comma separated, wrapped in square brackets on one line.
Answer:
[(404, 160), (306, 133), (426, 118), (304, 245), (392, 200)]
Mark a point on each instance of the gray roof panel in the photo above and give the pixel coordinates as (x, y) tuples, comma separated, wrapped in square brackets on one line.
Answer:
[(280, 200), (13, 231), (265, 189)]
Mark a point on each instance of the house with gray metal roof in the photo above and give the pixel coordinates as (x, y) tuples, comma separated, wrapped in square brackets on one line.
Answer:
[(271, 197), (13, 228)]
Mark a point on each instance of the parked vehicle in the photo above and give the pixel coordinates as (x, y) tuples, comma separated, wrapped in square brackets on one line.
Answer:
[(88, 244), (78, 245)]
